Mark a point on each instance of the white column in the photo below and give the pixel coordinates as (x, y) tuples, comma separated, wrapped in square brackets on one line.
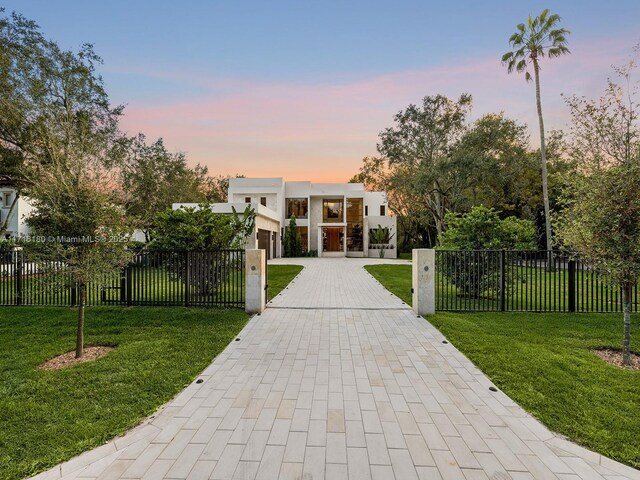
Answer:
[(423, 281), (255, 281)]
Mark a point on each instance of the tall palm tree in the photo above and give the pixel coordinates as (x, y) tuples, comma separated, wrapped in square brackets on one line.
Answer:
[(538, 38)]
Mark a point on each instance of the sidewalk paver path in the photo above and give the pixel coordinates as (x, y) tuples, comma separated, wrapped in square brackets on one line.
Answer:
[(340, 379)]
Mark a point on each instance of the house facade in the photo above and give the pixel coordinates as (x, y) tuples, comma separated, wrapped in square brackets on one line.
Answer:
[(13, 214), (334, 219)]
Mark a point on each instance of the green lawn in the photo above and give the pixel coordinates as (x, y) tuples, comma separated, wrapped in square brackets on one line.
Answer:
[(544, 362), (396, 279), (279, 277), (49, 416)]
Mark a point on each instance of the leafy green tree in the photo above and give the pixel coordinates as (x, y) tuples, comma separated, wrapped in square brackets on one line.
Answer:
[(88, 237), (493, 156), (490, 164), (215, 188), (200, 229), (539, 37), (59, 134), (154, 178), (292, 239), (51, 100), (189, 236), (483, 229), (479, 231), (405, 201), (601, 221), (420, 146), (23, 51)]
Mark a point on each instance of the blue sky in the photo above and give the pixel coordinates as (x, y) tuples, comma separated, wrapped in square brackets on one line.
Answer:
[(301, 89)]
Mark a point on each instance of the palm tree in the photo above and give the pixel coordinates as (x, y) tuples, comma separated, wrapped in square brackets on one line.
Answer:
[(538, 38)]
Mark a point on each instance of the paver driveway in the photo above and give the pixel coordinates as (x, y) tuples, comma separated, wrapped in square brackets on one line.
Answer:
[(339, 379)]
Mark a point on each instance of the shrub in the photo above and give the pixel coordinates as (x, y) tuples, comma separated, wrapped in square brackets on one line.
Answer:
[(193, 229), (380, 239), (292, 239), (481, 230)]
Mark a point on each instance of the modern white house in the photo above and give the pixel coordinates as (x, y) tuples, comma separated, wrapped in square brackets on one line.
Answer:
[(334, 219), (16, 225)]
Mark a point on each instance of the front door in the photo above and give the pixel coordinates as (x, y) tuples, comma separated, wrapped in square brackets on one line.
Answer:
[(332, 238)]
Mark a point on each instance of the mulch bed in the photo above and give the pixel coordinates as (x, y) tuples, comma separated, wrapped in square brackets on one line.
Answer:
[(67, 359), (614, 357)]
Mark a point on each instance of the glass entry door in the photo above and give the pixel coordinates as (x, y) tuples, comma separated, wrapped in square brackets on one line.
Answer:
[(332, 239)]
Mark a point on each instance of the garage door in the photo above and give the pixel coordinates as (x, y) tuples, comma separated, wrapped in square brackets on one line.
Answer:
[(263, 241)]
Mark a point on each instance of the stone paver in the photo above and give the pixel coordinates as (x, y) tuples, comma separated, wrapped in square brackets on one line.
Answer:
[(340, 379)]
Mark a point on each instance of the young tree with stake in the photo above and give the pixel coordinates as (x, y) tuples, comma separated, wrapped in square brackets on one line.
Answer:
[(601, 221)]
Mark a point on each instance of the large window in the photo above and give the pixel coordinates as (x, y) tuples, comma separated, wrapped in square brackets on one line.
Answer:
[(354, 224), (297, 207), (304, 236), (332, 210)]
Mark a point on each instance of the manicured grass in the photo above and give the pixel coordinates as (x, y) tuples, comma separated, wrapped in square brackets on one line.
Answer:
[(49, 416), (544, 362), (395, 278), (279, 277)]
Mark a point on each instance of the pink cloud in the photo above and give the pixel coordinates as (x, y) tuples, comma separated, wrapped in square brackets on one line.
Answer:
[(321, 131)]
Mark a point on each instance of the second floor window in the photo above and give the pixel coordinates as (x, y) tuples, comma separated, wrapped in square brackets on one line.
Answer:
[(298, 207), (263, 201), (332, 211), (247, 199), (7, 199), (382, 210)]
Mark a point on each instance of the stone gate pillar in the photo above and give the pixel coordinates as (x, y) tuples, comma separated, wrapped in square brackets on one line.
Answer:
[(255, 281), (423, 274)]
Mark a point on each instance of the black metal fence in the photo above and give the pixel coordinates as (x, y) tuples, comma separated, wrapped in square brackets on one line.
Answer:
[(192, 279), (532, 281)]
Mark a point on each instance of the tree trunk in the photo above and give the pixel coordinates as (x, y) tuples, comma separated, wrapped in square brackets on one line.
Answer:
[(82, 294), (438, 211), (626, 308), (543, 159)]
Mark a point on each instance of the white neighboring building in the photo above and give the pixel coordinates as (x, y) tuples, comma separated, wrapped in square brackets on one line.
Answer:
[(16, 225), (333, 218)]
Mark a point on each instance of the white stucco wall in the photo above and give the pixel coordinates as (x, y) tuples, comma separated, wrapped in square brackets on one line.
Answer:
[(272, 188), (315, 217), (272, 199), (17, 225), (276, 191), (372, 202)]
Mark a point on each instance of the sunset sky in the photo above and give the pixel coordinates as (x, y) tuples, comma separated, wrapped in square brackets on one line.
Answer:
[(301, 89)]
